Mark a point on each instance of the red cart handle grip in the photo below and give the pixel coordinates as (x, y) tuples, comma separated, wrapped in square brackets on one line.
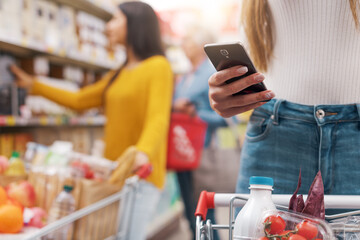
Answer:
[(206, 201), (144, 171)]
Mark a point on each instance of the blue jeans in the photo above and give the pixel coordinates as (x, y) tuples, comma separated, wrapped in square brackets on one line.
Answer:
[(283, 137)]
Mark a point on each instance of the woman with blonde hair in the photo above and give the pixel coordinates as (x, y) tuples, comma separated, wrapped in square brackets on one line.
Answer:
[(309, 51)]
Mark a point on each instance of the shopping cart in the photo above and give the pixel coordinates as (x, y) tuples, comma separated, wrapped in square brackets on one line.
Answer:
[(125, 199), (338, 223)]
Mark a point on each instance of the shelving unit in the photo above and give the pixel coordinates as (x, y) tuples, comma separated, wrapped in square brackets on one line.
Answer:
[(51, 121), (88, 7), (24, 48)]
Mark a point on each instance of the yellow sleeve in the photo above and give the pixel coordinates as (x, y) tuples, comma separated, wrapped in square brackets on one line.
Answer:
[(154, 134), (87, 97)]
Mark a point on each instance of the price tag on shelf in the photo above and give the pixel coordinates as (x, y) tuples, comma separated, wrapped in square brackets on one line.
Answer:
[(74, 121), (50, 50), (89, 121), (62, 53), (2, 121), (10, 121), (58, 120), (43, 121), (24, 42)]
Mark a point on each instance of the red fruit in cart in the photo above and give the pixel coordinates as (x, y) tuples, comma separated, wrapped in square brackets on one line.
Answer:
[(4, 164), (39, 218), (15, 203), (307, 230), (11, 219), (83, 169), (274, 224), (23, 192), (296, 237), (3, 196)]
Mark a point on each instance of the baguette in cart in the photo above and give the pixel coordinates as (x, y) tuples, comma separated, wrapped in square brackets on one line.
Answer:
[(339, 226)]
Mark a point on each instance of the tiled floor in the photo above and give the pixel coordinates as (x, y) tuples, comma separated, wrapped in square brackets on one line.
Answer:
[(183, 232)]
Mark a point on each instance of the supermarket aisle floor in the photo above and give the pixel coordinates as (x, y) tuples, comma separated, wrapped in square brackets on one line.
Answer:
[(183, 232)]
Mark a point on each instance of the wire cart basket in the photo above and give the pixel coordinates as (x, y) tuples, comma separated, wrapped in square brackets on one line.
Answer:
[(124, 198), (345, 225)]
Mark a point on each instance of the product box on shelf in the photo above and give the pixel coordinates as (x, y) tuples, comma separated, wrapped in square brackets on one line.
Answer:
[(52, 33), (20, 141), (11, 97), (13, 6), (10, 142), (6, 144), (28, 19), (67, 27), (41, 22), (38, 66)]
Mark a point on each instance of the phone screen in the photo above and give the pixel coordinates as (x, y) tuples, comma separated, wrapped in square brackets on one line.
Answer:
[(224, 56)]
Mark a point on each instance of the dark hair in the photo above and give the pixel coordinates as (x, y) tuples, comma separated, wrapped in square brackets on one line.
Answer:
[(143, 32)]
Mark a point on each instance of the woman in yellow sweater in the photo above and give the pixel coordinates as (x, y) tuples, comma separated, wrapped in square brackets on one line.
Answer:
[(137, 101)]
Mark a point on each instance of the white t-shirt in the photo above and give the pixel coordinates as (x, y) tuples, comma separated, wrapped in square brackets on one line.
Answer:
[(316, 52)]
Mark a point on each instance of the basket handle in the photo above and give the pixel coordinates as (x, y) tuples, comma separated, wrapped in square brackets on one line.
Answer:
[(206, 201)]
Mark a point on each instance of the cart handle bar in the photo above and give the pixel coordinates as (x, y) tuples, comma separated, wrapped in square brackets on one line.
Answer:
[(206, 201), (144, 171), (209, 200)]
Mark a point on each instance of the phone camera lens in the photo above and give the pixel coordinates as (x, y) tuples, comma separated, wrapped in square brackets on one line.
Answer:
[(224, 52)]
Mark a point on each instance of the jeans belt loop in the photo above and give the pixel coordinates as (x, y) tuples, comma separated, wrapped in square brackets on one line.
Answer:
[(275, 116), (358, 110)]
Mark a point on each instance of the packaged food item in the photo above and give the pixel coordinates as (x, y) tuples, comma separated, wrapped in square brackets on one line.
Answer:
[(247, 221), (6, 144), (39, 156), (91, 167), (284, 225), (16, 166), (59, 153)]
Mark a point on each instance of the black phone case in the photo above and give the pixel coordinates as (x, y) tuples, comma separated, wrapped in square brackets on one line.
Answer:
[(228, 55)]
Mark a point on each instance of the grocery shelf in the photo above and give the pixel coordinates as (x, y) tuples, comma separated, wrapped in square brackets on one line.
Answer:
[(25, 48), (87, 6), (51, 121)]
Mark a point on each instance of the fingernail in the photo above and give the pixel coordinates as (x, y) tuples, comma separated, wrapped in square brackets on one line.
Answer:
[(259, 78), (242, 70), (270, 95)]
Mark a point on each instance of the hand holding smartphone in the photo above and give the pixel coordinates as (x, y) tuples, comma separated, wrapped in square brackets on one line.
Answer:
[(228, 55)]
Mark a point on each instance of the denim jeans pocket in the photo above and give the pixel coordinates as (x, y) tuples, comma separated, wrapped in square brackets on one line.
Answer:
[(258, 127)]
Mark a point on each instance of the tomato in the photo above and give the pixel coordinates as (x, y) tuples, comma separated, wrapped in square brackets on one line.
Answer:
[(296, 237), (307, 230), (274, 224), (286, 234), (263, 238)]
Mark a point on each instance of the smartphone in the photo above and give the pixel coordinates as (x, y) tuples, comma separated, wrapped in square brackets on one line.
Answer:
[(229, 55)]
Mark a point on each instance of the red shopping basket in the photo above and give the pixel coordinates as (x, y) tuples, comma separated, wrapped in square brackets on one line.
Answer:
[(185, 142)]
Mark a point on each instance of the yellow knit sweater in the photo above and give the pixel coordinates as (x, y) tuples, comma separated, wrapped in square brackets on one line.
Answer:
[(137, 108)]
